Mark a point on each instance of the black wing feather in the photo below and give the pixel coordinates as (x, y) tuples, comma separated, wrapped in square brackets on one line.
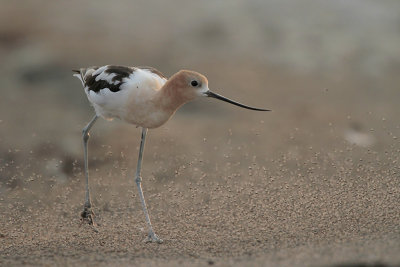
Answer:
[(121, 73)]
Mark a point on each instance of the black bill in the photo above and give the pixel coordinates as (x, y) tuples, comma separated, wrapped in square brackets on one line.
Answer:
[(220, 97)]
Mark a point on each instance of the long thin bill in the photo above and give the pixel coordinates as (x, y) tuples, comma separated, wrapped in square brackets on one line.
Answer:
[(220, 97)]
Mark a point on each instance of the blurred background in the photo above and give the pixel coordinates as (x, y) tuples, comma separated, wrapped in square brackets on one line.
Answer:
[(329, 70)]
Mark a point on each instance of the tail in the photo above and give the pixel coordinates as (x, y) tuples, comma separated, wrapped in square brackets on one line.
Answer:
[(83, 73), (78, 74)]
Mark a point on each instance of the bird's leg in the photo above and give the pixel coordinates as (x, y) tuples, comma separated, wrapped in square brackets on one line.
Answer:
[(152, 237), (87, 213)]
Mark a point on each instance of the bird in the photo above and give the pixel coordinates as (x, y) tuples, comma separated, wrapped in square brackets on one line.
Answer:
[(141, 96)]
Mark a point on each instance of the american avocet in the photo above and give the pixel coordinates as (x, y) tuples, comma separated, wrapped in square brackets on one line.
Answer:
[(141, 96)]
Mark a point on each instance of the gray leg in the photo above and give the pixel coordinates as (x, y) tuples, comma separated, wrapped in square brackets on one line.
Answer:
[(152, 237), (87, 213)]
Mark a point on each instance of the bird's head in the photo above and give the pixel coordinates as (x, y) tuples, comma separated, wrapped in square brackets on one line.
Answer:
[(187, 85)]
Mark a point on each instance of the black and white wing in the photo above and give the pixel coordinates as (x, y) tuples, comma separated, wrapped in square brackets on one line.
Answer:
[(106, 77), (109, 87)]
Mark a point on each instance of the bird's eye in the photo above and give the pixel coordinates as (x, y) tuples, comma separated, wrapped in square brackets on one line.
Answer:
[(194, 83)]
